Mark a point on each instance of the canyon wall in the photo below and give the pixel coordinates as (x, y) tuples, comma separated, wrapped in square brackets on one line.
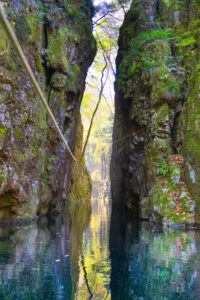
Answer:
[(35, 166), (156, 154)]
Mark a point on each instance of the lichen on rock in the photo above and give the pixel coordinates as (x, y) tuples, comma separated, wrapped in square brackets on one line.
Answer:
[(170, 200), (35, 166), (157, 113)]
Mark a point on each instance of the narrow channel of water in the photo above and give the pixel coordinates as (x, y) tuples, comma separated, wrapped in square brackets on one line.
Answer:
[(89, 258)]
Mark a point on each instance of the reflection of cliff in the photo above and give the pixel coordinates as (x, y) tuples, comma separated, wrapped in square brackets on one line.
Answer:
[(149, 263), (41, 261)]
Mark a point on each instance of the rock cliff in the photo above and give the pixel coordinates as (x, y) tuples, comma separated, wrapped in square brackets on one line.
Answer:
[(156, 156), (35, 167)]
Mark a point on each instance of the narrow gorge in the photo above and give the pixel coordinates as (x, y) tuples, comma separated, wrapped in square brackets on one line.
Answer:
[(155, 160), (68, 228)]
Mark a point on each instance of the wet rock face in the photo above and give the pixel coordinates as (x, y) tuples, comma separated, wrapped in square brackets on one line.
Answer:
[(35, 167), (156, 114)]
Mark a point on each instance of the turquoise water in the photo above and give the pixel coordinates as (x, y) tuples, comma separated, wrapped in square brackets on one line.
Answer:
[(95, 256), (148, 263)]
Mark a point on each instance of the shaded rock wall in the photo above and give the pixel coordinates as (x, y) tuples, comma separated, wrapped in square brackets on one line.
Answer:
[(35, 167), (80, 185), (157, 112)]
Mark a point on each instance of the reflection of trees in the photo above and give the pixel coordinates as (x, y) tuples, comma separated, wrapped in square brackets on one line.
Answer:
[(85, 275), (78, 218), (94, 278), (149, 263)]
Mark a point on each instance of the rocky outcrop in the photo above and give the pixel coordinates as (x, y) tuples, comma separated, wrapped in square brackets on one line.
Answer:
[(35, 167), (157, 112)]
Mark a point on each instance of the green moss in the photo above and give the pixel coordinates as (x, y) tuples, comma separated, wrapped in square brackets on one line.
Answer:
[(163, 199), (30, 146), (3, 176), (23, 30), (43, 120), (19, 133), (163, 112), (38, 62), (3, 131), (81, 183), (56, 49), (35, 28), (164, 206), (80, 189), (4, 46)]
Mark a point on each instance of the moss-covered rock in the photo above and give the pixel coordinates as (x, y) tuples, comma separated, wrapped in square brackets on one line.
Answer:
[(81, 182), (157, 110), (36, 167)]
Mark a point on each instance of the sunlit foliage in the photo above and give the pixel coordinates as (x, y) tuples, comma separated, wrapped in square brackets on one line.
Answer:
[(108, 19)]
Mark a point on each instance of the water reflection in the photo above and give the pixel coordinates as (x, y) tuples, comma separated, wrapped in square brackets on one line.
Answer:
[(94, 261), (82, 258), (35, 262), (58, 258), (150, 264)]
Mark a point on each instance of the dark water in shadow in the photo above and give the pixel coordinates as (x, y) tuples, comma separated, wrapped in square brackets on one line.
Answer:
[(148, 263), (91, 257)]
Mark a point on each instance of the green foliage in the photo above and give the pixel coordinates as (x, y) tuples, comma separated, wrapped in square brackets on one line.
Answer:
[(187, 41), (106, 29), (45, 179), (50, 163), (168, 3), (152, 34), (163, 168), (149, 52), (2, 129), (186, 38)]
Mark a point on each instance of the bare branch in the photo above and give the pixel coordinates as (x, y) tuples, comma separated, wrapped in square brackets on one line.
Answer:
[(97, 106), (104, 15)]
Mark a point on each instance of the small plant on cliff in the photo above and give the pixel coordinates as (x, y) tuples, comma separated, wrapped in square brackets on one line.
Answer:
[(163, 168), (153, 34)]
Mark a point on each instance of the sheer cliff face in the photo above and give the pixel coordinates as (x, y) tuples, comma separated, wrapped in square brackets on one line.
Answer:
[(155, 160), (35, 167)]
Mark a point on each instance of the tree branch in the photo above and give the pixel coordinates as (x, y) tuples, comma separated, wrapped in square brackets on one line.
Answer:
[(96, 108)]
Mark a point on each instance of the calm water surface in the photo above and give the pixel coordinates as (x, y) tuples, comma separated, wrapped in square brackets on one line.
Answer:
[(91, 257)]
